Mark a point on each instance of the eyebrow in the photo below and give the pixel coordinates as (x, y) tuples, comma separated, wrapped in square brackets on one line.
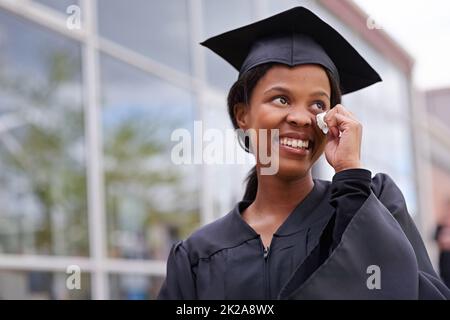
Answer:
[(321, 94), (282, 89)]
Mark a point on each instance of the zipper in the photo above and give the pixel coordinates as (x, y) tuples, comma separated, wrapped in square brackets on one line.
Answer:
[(266, 252)]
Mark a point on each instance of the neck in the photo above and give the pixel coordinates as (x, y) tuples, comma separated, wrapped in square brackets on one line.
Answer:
[(278, 196)]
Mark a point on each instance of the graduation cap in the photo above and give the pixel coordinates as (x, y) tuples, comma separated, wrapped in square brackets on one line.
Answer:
[(293, 37)]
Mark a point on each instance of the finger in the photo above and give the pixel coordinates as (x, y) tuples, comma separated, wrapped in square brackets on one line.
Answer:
[(340, 117), (329, 117), (342, 110), (333, 133), (344, 122), (339, 108), (336, 119)]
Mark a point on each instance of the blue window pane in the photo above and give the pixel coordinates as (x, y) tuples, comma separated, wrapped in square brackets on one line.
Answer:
[(42, 166), (134, 287), (157, 29), (150, 201), (58, 5), (220, 16), (38, 285)]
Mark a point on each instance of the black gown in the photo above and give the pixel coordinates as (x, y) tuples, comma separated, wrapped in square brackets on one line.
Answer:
[(325, 249)]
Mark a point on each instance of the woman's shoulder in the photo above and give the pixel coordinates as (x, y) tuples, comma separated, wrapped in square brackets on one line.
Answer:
[(203, 235), (224, 232)]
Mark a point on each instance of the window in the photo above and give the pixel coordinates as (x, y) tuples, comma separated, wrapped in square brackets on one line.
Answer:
[(166, 38), (58, 5), (42, 166), (134, 287), (37, 285), (219, 72), (150, 202)]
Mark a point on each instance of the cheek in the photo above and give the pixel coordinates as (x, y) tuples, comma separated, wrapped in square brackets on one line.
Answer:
[(320, 145), (265, 116)]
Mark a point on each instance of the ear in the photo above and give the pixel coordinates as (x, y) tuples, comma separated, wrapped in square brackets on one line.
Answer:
[(241, 115)]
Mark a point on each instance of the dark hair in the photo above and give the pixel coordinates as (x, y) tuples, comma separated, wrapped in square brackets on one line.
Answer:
[(241, 91)]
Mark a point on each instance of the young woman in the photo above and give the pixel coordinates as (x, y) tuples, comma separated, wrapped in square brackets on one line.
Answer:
[(292, 236)]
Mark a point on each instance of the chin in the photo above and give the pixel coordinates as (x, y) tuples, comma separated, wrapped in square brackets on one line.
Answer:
[(293, 169)]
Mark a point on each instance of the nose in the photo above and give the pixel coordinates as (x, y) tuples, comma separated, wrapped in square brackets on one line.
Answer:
[(299, 117)]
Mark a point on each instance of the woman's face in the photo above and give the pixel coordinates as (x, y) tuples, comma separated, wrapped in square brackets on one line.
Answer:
[(288, 99)]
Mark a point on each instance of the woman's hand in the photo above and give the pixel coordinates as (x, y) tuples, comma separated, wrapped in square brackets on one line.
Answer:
[(343, 146)]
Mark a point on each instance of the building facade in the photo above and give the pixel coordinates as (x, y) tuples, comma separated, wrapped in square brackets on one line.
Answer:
[(434, 158)]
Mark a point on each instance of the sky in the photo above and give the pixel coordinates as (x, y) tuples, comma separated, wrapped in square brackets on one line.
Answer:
[(422, 28)]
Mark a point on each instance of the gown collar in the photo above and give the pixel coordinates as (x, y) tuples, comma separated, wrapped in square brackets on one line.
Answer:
[(306, 213), (232, 230)]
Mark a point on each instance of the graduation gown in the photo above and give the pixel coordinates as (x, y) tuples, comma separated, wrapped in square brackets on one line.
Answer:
[(351, 238)]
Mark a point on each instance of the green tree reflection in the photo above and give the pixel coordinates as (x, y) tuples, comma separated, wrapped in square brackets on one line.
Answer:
[(47, 156)]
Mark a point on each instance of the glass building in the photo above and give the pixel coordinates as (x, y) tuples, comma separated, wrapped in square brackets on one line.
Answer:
[(90, 92)]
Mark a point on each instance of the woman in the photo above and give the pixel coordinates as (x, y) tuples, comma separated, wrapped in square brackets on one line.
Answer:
[(292, 236)]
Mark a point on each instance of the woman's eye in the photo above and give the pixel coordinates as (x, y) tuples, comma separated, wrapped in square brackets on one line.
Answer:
[(281, 100), (321, 105)]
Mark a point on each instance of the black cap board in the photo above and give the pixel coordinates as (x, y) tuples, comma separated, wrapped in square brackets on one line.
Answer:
[(293, 37)]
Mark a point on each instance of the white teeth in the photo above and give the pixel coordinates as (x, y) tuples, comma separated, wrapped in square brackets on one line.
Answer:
[(295, 143)]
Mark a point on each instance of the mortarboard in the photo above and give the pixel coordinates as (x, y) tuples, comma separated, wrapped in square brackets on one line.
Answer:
[(293, 37)]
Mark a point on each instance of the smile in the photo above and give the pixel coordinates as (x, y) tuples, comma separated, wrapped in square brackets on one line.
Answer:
[(294, 143)]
